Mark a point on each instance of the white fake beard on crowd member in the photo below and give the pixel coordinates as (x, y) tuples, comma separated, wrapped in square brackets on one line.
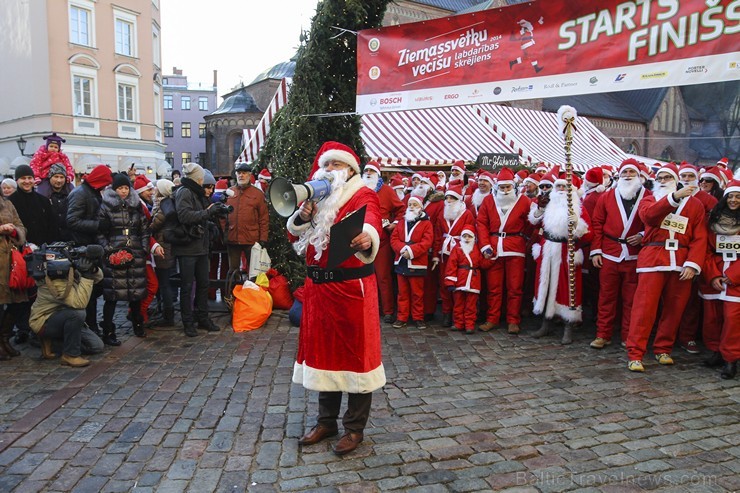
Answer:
[(505, 200), (555, 220), (327, 210), (662, 189), (453, 181), (371, 181), (478, 197), (421, 190), (454, 210), (628, 187), (689, 183), (399, 192), (467, 245), (412, 215)]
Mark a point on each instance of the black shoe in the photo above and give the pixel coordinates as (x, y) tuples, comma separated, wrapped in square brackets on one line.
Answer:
[(388, 319), (190, 331), (208, 325), (714, 361), (729, 371), (20, 337), (111, 340), (139, 329), (447, 320), (429, 317)]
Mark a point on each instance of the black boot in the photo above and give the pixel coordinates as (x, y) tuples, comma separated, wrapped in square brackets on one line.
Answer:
[(447, 320), (190, 330), (207, 324), (729, 371), (109, 334), (139, 327), (167, 319), (6, 330), (714, 361)]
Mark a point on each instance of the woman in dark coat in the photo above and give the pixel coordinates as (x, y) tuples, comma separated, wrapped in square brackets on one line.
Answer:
[(12, 234), (123, 226), (164, 222)]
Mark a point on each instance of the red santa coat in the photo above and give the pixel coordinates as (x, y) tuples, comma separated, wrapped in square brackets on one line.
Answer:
[(505, 233), (707, 200), (391, 210), (417, 240), (610, 221), (590, 199), (715, 266), (551, 289), (447, 233), (339, 347), (463, 270), (692, 245)]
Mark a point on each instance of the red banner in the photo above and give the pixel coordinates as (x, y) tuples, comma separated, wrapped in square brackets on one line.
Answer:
[(547, 49)]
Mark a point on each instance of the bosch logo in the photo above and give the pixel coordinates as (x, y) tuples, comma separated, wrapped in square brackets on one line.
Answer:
[(452, 96), (395, 100), (373, 102)]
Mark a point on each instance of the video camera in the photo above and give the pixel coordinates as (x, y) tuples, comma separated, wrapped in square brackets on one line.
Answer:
[(56, 259), (222, 209)]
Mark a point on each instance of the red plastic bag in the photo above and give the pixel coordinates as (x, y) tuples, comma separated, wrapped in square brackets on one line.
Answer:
[(279, 288), (252, 307), (19, 279)]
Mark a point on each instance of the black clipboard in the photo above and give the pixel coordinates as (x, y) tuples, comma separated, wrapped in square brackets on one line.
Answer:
[(342, 234)]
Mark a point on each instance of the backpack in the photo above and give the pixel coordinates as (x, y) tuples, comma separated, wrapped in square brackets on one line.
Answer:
[(174, 231)]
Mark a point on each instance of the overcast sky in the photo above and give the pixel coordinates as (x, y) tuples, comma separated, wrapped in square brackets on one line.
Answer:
[(239, 38)]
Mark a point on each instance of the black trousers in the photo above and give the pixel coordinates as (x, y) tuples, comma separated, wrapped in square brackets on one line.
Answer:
[(356, 416)]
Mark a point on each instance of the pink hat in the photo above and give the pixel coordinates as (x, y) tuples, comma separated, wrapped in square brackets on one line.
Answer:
[(505, 177), (373, 166), (265, 175), (455, 190), (142, 183), (459, 166), (733, 186), (669, 168)]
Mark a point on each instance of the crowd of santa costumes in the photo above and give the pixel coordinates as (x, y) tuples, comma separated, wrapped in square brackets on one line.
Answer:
[(493, 245)]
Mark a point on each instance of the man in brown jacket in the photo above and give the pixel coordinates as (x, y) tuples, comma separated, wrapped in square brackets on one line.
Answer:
[(248, 223)]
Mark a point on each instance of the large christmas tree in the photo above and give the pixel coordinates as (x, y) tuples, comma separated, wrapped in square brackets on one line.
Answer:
[(324, 87)]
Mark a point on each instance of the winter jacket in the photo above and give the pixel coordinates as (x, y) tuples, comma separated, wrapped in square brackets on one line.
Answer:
[(8, 214), (51, 299), (164, 220), (35, 212), (191, 204), (249, 222), (83, 205), (123, 225)]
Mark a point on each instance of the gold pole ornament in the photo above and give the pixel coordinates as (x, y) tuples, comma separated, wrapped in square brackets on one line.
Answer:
[(566, 123)]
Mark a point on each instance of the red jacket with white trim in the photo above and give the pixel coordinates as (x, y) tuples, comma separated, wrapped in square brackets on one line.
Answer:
[(463, 270), (417, 240), (716, 266), (506, 233), (610, 221), (447, 233)]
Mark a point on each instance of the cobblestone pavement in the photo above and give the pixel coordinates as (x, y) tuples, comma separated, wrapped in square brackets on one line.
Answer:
[(482, 412)]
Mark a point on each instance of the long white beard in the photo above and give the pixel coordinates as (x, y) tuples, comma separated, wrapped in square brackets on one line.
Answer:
[(663, 189), (399, 192), (555, 220), (628, 188), (442, 180), (478, 197), (505, 200), (420, 191), (371, 181), (318, 236), (467, 246), (690, 183), (454, 210), (410, 215)]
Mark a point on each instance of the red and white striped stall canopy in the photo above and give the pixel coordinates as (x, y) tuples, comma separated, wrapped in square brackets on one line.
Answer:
[(435, 136), (535, 136), (254, 139)]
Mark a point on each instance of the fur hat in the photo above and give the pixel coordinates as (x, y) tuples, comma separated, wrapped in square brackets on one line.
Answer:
[(164, 187), (733, 186), (142, 183), (193, 171), (23, 170), (120, 180), (455, 190), (335, 151)]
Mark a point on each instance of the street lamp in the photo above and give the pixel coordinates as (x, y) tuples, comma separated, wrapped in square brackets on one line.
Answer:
[(21, 144)]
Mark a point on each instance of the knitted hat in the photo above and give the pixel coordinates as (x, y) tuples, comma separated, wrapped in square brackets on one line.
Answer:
[(221, 186), (57, 169), (23, 170), (459, 166), (120, 180), (372, 166), (164, 187), (193, 171), (142, 183), (208, 178), (505, 177), (265, 175), (669, 168), (733, 186), (54, 138), (335, 151), (455, 190), (99, 177)]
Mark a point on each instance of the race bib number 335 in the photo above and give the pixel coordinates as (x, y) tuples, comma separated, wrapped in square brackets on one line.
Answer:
[(675, 223)]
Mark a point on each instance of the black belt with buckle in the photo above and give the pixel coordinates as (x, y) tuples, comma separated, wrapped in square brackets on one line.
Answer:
[(663, 244), (504, 234), (556, 239), (320, 276), (623, 241)]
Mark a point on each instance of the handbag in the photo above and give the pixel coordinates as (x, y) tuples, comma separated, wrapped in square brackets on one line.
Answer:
[(19, 279), (259, 261)]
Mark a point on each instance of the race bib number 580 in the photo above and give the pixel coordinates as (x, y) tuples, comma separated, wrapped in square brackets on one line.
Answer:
[(728, 244), (675, 223)]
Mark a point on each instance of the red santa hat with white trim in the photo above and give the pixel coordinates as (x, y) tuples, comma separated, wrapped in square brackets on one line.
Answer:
[(608, 169), (541, 169), (459, 166), (688, 168), (487, 176), (264, 175), (222, 186), (551, 176), (505, 177), (594, 178), (396, 181), (521, 175), (372, 166), (715, 173), (723, 163), (630, 163), (467, 230), (668, 168), (334, 151), (430, 179), (533, 178), (142, 183), (455, 190), (733, 186), (414, 198), (728, 174)]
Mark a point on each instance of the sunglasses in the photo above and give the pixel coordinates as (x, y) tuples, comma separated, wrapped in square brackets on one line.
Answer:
[(545, 187)]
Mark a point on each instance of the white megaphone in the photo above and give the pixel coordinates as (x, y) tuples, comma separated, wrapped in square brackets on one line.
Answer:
[(285, 196)]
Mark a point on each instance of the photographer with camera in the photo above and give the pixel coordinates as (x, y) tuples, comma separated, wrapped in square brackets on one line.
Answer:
[(64, 289), (193, 212), (248, 223)]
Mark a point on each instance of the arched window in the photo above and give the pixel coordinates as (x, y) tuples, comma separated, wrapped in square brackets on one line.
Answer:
[(633, 148), (667, 154), (236, 144)]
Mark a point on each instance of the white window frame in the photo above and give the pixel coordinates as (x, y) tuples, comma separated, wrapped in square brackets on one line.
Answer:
[(89, 7), (156, 46), (202, 99), (128, 80), (182, 103), (88, 73), (120, 16), (78, 96), (171, 100)]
